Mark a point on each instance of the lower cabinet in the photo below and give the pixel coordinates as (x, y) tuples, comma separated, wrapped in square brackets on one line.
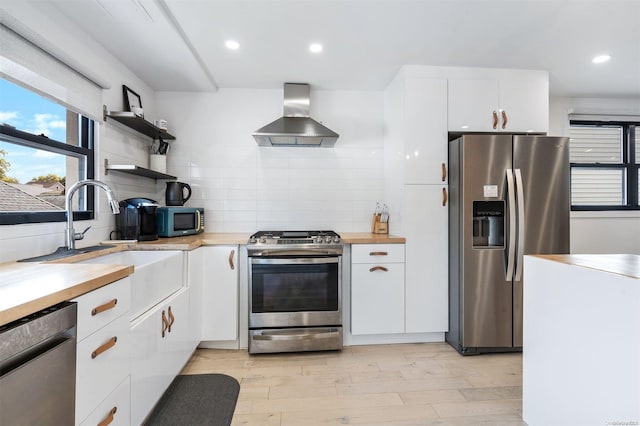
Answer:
[(103, 350), (377, 289), (160, 346), (220, 293)]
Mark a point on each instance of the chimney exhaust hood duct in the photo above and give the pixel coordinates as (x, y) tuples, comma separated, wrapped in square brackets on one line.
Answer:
[(296, 128)]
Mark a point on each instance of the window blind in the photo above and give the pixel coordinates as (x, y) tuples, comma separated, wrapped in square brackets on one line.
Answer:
[(24, 63), (591, 144), (596, 186)]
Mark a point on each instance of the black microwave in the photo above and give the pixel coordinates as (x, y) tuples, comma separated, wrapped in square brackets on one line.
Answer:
[(179, 221)]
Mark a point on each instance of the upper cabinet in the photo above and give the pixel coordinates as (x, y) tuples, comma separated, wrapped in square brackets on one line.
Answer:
[(513, 104), (416, 129)]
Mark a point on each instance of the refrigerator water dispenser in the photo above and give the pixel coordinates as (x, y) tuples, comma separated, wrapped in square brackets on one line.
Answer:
[(488, 224)]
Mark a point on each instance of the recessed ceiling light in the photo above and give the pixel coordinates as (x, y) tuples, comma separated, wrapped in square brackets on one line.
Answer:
[(315, 47), (232, 44), (601, 59)]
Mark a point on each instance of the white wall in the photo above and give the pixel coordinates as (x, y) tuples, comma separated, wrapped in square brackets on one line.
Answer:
[(598, 232), (114, 141), (244, 187)]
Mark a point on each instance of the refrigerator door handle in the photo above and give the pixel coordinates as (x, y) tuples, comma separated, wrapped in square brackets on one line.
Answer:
[(511, 247), (521, 227)]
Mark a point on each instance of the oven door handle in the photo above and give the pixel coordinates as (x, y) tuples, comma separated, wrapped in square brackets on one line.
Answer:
[(294, 260), (298, 253), (323, 333)]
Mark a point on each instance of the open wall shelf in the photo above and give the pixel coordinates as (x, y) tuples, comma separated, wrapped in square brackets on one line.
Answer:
[(136, 170), (139, 124)]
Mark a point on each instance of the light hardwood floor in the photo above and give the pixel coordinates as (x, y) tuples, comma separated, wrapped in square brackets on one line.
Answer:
[(405, 384)]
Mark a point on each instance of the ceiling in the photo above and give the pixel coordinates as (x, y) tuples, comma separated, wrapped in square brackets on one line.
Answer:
[(179, 45)]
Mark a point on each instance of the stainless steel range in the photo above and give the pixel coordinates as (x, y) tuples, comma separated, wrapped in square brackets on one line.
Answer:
[(295, 291)]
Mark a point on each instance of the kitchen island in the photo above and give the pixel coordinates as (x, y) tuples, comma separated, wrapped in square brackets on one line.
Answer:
[(581, 357)]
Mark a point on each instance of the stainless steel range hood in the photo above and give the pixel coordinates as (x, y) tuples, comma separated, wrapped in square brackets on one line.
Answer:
[(296, 128)]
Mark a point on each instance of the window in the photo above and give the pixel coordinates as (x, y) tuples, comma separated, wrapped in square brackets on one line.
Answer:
[(44, 148), (604, 165)]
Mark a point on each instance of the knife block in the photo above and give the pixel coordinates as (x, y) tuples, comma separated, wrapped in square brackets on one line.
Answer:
[(378, 227)]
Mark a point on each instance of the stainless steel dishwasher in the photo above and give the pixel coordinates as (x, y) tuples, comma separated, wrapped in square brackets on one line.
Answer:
[(37, 368)]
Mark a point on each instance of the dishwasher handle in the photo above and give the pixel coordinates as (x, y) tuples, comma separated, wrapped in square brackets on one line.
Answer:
[(35, 334)]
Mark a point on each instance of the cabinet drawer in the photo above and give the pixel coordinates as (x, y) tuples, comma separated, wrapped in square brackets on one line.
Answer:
[(117, 401), (377, 253), (100, 366), (101, 306)]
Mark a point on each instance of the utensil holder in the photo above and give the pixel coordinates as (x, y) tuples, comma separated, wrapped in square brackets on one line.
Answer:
[(378, 227), (158, 163)]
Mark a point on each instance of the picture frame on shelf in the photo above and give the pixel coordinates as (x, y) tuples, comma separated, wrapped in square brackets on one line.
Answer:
[(132, 101)]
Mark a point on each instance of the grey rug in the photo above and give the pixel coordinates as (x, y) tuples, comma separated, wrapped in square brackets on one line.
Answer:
[(199, 399)]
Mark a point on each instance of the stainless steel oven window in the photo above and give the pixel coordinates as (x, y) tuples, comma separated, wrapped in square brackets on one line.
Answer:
[(295, 291)]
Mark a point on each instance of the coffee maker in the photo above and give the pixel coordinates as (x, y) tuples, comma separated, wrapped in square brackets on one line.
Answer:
[(137, 219)]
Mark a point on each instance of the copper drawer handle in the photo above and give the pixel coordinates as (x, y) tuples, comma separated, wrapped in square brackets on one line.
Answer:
[(444, 197), (231, 265), (378, 268), (504, 119), (165, 323), (378, 253), (172, 319), (109, 305), (495, 120), (111, 343), (107, 420), (444, 172)]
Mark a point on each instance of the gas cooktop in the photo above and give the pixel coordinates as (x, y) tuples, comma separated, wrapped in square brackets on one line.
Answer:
[(300, 238)]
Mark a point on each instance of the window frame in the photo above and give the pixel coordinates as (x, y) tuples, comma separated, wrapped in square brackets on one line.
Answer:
[(628, 165), (84, 150)]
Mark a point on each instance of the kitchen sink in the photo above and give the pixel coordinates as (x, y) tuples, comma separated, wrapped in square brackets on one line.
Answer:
[(63, 252), (157, 274)]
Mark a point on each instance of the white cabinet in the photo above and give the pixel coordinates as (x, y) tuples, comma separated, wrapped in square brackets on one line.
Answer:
[(517, 104), (114, 410), (103, 348), (425, 227), (416, 124), (220, 293), (377, 289), (195, 278), (160, 347)]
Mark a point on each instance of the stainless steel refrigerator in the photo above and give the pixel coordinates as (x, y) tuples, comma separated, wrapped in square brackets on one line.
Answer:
[(509, 196)]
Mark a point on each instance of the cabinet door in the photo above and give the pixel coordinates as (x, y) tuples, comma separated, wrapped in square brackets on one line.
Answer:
[(194, 281), (526, 105), (220, 293), (425, 139), (377, 298), (471, 105), (177, 338), (148, 380), (425, 224)]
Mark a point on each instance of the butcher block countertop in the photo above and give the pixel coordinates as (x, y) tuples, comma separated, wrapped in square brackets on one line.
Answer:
[(191, 242), (627, 265), (26, 288), (369, 238)]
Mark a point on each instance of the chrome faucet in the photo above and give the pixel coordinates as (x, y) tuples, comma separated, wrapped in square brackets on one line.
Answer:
[(71, 236)]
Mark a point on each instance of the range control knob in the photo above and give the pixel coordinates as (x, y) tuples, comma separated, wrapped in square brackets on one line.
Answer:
[(336, 239), (263, 240), (252, 240)]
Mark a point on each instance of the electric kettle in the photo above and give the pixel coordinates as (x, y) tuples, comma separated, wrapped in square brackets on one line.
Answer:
[(174, 194)]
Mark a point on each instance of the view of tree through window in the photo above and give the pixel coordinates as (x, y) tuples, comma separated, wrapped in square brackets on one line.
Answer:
[(43, 149)]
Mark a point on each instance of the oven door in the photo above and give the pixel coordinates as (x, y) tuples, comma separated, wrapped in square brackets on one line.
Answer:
[(295, 292)]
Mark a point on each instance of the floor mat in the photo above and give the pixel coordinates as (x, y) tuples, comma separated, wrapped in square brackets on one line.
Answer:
[(198, 399)]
